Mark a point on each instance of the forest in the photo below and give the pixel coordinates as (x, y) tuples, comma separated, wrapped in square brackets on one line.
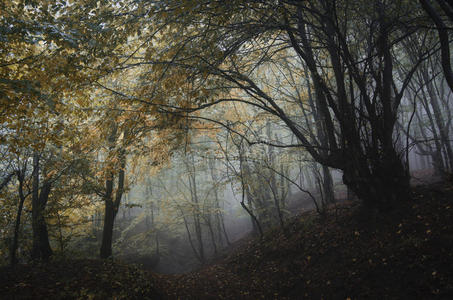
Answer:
[(210, 149)]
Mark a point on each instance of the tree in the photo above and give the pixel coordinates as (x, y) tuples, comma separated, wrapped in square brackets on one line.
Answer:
[(39, 71), (20, 173), (348, 51), (41, 246), (123, 131), (445, 8)]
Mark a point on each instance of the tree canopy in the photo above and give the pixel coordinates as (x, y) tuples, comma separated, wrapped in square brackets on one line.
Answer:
[(186, 101)]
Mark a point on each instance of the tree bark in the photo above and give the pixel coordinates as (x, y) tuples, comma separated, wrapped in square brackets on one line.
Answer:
[(382, 185), (442, 31), (112, 205), (107, 233), (6, 180), (370, 163), (328, 185), (111, 208), (13, 250), (41, 249)]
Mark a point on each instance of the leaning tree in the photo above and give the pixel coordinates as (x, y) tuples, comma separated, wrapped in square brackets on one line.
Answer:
[(350, 51)]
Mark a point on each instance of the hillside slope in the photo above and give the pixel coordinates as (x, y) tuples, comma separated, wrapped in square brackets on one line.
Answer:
[(406, 254)]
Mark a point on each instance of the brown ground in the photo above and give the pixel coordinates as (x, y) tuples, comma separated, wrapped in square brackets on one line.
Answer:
[(405, 254)]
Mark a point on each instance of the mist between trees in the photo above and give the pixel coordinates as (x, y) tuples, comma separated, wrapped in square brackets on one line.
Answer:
[(161, 132)]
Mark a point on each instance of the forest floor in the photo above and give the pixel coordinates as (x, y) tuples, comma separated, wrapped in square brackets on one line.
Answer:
[(76, 279), (405, 254)]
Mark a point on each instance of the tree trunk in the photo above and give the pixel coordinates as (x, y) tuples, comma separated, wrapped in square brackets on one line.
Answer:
[(112, 205), (443, 129), (107, 233), (328, 191), (6, 180), (436, 153), (220, 225), (253, 219), (225, 234), (111, 208), (211, 232), (41, 247), (20, 177), (443, 31), (197, 212), (382, 185)]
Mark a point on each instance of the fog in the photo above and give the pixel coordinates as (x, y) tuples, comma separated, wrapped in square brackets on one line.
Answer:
[(157, 230), (167, 150)]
